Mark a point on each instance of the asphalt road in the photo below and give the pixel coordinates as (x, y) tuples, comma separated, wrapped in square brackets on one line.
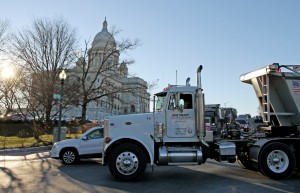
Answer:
[(36, 172)]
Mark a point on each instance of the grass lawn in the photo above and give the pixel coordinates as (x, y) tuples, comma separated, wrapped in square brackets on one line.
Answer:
[(9, 135), (14, 141)]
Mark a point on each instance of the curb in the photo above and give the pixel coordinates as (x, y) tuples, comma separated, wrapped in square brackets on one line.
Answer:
[(26, 149)]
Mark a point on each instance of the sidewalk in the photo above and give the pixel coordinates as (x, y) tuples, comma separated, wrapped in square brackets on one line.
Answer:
[(25, 153)]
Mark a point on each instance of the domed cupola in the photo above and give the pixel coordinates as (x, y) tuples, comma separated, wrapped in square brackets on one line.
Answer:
[(123, 69), (104, 39), (80, 61)]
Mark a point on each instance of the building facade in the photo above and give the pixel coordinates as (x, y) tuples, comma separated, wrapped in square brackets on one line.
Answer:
[(122, 94)]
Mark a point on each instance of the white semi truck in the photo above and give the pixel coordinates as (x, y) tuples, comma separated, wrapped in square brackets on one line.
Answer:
[(174, 134)]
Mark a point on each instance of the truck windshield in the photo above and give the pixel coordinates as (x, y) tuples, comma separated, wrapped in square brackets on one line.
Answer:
[(160, 102)]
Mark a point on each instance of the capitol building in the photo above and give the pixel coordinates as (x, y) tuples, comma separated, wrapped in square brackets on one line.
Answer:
[(117, 76)]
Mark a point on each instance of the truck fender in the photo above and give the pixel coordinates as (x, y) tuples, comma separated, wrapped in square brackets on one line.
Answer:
[(254, 150), (137, 140)]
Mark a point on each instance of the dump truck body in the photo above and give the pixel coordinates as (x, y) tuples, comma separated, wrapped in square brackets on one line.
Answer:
[(278, 94)]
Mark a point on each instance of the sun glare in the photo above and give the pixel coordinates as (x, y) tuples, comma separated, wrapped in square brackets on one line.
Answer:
[(7, 72)]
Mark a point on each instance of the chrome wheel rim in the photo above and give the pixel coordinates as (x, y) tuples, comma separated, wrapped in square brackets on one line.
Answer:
[(277, 161), (69, 157), (127, 163)]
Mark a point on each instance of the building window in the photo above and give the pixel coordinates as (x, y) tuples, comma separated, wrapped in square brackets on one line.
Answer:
[(132, 108)]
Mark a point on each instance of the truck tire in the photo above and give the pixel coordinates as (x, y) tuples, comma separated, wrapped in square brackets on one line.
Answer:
[(277, 161), (127, 162), (69, 156)]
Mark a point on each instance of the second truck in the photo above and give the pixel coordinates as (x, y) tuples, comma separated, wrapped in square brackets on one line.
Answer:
[(174, 134)]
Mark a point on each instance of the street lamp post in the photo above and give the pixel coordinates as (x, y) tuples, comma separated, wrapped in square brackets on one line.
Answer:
[(62, 77)]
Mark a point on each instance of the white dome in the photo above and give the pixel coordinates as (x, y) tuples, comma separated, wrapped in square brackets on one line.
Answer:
[(104, 39)]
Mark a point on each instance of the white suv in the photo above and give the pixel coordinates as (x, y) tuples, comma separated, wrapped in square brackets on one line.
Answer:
[(89, 145)]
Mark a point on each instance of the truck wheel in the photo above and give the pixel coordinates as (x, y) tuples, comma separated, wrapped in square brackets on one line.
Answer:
[(127, 162), (277, 161), (69, 156)]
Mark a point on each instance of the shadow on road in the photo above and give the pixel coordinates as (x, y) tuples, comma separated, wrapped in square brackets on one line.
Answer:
[(207, 178), (49, 175), (13, 180)]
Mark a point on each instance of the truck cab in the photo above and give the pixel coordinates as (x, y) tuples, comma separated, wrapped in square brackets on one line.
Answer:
[(208, 123), (177, 113)]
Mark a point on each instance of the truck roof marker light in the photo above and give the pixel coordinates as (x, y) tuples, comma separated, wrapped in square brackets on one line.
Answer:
[(107, 139), (168, 87)]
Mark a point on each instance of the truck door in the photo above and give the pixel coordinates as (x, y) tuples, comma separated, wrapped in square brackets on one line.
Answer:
[(180, 115)]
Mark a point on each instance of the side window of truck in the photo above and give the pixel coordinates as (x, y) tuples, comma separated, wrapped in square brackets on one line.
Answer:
[(187, 100)]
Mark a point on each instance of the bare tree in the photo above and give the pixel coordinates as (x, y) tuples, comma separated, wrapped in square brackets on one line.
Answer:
[(97, 69), (8, 90), (14, 91), (4, 25), (43, 50)]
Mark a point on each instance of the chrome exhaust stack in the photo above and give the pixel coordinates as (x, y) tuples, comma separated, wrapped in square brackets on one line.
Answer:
[(187, 82), (200, 112)]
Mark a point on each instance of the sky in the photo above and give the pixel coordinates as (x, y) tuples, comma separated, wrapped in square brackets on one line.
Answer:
[(229, 38)]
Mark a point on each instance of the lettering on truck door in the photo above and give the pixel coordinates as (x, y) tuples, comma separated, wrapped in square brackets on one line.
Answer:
[(181, 119)]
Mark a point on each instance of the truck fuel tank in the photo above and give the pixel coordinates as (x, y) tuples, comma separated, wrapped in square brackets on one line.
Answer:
[(180, 155)]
